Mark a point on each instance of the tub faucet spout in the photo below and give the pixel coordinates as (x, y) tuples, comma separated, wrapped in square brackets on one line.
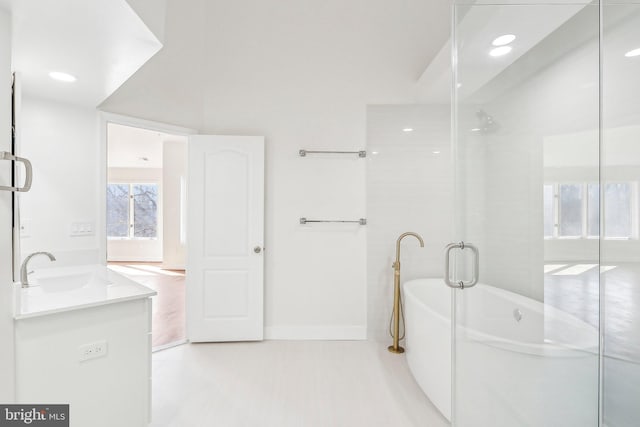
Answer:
[(397, 297), (396, 265), (23, 270)]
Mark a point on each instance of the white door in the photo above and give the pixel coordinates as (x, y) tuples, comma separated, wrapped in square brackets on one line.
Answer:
[(225, 234)]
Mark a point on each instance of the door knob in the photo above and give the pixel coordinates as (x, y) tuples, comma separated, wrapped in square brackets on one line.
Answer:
[(257, 249)]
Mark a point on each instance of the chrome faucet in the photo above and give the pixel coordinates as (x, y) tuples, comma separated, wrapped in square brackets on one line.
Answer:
[(23, 270)]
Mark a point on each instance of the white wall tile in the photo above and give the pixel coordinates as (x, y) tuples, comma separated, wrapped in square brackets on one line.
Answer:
[(409, 188)]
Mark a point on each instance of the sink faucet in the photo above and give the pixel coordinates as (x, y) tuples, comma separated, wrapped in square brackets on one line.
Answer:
[(23, 270)]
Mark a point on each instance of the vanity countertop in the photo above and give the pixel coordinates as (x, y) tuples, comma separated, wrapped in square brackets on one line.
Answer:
[(57, 290)]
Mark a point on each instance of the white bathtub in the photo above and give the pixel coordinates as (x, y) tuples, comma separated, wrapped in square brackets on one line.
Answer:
[(543, 367)]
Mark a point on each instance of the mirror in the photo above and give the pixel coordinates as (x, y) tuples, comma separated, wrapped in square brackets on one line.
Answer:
[(65, 65)]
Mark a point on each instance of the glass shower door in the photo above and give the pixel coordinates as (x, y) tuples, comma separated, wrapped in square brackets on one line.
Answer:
[(620, 248), (527, 172)]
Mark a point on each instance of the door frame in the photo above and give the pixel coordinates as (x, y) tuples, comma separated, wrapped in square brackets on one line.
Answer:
[(105, 119)]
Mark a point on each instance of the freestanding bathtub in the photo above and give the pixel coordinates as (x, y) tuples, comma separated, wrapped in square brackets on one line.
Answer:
[(518, 361)]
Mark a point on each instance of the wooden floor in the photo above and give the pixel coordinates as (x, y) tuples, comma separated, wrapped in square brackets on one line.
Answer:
[(168, 305)]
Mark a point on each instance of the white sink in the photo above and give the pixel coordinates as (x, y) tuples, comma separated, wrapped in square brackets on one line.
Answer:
[(68, 279), (55, 290), (63, 283)]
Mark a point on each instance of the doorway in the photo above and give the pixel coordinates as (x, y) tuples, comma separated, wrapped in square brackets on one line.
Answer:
[(145, 217)]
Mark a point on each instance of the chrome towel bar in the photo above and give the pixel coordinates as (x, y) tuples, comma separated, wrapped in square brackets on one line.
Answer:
[(5, 155), (303, 153), (361, 221)]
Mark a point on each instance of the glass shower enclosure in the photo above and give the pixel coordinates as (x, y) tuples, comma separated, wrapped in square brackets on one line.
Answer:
[(546, 129)]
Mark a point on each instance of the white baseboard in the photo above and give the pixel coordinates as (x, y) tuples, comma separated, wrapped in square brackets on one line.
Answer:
[(328, 333), (134, 259), (173, 267)]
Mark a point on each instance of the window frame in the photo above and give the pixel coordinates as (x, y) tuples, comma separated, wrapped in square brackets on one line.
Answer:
[(554, 210), (634, 214), (131, 225), (558, 211)]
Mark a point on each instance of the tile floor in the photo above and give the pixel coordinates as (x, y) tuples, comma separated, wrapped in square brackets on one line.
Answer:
[(341, 383), (579, 290), (287, 384), (576, 289)]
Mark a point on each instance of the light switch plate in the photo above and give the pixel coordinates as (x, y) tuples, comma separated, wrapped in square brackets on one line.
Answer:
[(79, 229), (92, 350)]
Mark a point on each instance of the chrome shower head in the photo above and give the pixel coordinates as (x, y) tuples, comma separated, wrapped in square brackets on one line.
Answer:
[(486, 124)]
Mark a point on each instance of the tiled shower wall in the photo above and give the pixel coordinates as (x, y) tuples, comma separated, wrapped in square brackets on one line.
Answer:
[(409, 188)]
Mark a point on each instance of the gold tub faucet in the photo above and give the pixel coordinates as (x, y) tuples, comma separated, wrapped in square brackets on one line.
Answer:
[(397, 297)]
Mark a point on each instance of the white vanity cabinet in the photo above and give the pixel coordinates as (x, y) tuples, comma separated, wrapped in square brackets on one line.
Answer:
[(94, 355)]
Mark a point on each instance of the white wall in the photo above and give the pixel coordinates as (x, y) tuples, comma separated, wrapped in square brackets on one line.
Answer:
[(543, 103), (549, 133), (137, 250), (153, 13), (168, 88), (300, 73), (6, 301), (409, 188), (61, 142), (568, 159), (174, 175)]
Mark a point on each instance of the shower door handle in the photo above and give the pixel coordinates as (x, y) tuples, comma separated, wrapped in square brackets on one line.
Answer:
[(461, 284), (4, 155)]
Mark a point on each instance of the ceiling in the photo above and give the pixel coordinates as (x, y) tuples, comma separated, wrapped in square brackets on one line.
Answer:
[(475, 30), (247, 66), (128, 147), (100, 42)]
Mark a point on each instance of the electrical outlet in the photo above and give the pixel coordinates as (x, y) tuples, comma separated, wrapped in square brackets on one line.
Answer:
[(92, 350)]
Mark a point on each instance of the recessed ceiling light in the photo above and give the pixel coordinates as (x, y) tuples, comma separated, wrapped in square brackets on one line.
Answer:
[(632, 53), (499, 51), (458, 85), (476, 130), (407, 130), (375, 152), (62, 77), (503, 40), (436, 152)]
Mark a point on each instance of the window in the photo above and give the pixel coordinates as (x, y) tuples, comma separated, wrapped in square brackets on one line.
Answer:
[(118, 210), (132, 211), (183, 211), (549, 210), (617, 210), (573, 210), (593, 210), (570, 210)]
